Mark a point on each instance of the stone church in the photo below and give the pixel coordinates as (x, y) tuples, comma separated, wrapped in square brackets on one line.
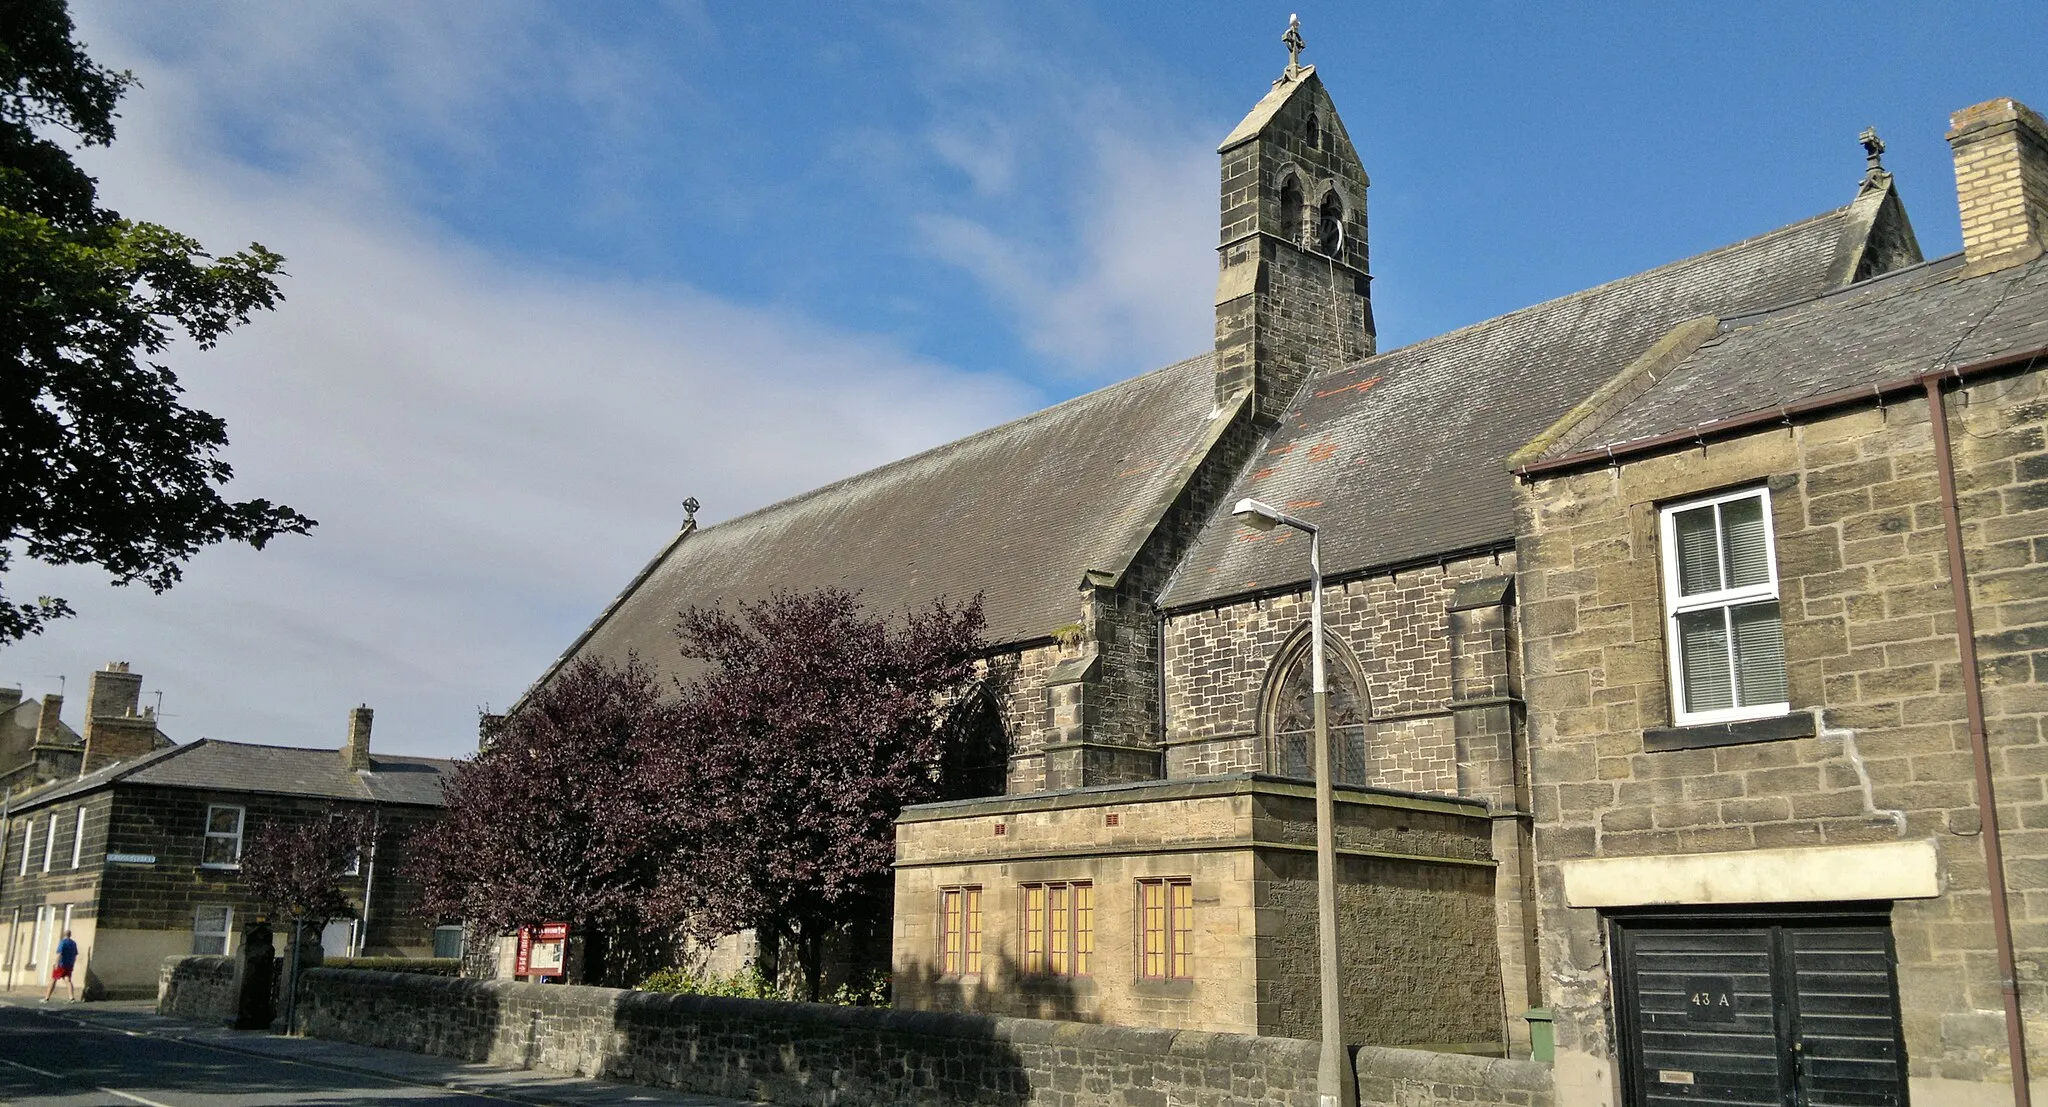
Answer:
[(1147, 857)]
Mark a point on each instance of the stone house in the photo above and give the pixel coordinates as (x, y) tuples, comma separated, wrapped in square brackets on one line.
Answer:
[(139, 859), (1148, 858), (1784, 599), (37, 747)]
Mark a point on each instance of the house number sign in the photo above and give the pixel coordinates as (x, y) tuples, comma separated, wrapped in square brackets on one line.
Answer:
[(1709, 999)]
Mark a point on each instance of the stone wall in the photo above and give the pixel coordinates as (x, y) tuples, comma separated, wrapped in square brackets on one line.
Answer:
[(1392, 633), (801, 1054), (1874, 681), (1416, 899), (197, 989), (1412, 1078)]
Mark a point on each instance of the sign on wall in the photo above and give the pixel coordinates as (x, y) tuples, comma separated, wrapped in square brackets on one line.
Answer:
[(542, 950)]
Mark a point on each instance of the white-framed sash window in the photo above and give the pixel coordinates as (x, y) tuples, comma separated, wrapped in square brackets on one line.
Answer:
[(78, 838), (50, 842), (223, 837), (212, 924), (1726, 635)]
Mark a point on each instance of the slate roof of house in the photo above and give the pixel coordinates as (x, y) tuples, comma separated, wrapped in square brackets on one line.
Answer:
[(1021, 512), (1930, 317), (216, 766), (1400, 457)]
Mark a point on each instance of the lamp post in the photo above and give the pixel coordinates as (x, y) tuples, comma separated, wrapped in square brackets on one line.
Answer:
[(1335, 1085)]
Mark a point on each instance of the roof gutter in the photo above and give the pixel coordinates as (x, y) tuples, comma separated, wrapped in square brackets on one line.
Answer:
[(1912, 386)]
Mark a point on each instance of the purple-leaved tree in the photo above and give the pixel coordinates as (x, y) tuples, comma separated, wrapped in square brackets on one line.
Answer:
[(295, 867), (809, 728), (555, 820)]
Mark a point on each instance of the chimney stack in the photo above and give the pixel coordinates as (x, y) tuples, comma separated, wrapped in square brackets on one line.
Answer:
[(2001, 152), (114, 732), (112, 693), (356, 755), (10, 698), (48, 728)]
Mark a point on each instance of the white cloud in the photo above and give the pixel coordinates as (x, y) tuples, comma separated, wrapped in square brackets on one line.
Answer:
[(491, 448), (1093, 225), (1136, 294)]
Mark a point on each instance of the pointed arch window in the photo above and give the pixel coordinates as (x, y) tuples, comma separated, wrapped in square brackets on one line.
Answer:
[(1312, 132), (1291, 729), (1330, 225), (1291, 204)]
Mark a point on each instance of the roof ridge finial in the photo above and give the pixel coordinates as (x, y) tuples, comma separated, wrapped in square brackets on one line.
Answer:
[(1874, 173), (1294, 43)]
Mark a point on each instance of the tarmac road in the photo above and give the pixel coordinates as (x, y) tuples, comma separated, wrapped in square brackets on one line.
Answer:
[(101, 1056)]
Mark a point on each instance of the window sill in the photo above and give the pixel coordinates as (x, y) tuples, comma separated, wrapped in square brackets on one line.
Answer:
[(219, 868), (1707, 736), (1168, 988)]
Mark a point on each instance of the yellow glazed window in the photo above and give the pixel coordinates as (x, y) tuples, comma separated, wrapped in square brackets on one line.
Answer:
[(1166, 912), (960, 931), (1059, 928), (1034, 928)]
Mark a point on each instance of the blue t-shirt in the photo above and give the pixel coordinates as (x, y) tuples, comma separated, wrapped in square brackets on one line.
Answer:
[(67, 953)]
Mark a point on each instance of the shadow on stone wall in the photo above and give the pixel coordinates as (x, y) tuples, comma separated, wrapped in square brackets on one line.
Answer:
[(1002, 989)]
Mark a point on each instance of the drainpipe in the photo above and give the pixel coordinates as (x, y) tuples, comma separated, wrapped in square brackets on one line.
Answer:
[(369, 880), (1980, 747)]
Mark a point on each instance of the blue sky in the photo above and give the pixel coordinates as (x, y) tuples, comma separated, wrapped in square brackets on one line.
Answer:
[(557, 266)]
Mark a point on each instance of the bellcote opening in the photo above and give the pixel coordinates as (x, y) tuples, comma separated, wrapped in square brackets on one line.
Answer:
[(1291, 204), (1330, 225)]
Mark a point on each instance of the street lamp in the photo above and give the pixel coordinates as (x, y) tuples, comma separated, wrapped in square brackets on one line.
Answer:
[(1334, 1079)]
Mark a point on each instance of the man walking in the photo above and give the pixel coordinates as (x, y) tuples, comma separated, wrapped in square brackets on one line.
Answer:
[(67, 956)]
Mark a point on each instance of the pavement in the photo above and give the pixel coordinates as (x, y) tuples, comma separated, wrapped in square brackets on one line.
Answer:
[(122, 1053)]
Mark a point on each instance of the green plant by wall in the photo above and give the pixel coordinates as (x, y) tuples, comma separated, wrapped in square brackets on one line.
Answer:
[(869, 991)]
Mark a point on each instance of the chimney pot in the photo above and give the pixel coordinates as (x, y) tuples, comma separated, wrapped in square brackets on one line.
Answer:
[(2001, 158)]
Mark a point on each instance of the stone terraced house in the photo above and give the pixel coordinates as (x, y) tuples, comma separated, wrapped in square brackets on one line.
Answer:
[(1784, 598), (1148, 859), (38, 747), (140, 859)]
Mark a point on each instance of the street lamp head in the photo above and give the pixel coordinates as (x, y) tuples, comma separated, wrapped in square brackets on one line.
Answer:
[(1256, 515)]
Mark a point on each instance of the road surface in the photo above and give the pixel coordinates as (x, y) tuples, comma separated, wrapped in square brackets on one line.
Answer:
[(98, 1055)]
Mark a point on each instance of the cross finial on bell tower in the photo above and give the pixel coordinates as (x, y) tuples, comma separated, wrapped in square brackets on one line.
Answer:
[(1293, 41), (1874, 172)]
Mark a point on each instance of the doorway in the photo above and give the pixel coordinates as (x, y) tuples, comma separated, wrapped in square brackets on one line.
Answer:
[(1785, 1009)]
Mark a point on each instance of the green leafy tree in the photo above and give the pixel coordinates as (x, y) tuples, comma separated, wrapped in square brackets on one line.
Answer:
[(100, 462)]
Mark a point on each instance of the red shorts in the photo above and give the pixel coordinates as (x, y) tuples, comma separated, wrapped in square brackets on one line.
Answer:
[(61, 972)]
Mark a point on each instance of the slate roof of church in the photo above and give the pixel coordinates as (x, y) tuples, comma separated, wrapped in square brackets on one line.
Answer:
[(216, 766), (1021, 512), (1400, 458), (1930, 317)]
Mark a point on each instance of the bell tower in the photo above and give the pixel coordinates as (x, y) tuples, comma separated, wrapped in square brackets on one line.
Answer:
[(1294, 296)]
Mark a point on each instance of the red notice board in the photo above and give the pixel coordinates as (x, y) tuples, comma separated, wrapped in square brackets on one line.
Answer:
[(542, 950)]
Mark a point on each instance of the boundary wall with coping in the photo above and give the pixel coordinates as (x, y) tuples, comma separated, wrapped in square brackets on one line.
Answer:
[(796, 1054)]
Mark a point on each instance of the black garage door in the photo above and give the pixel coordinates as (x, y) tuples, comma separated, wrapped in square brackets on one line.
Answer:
[(1783, 1010)]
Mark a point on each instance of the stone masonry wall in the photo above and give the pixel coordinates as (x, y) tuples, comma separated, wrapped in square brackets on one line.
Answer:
[(1871, 652), (1027, 717), (1393, 634), (801, 1054), (197, 989)]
